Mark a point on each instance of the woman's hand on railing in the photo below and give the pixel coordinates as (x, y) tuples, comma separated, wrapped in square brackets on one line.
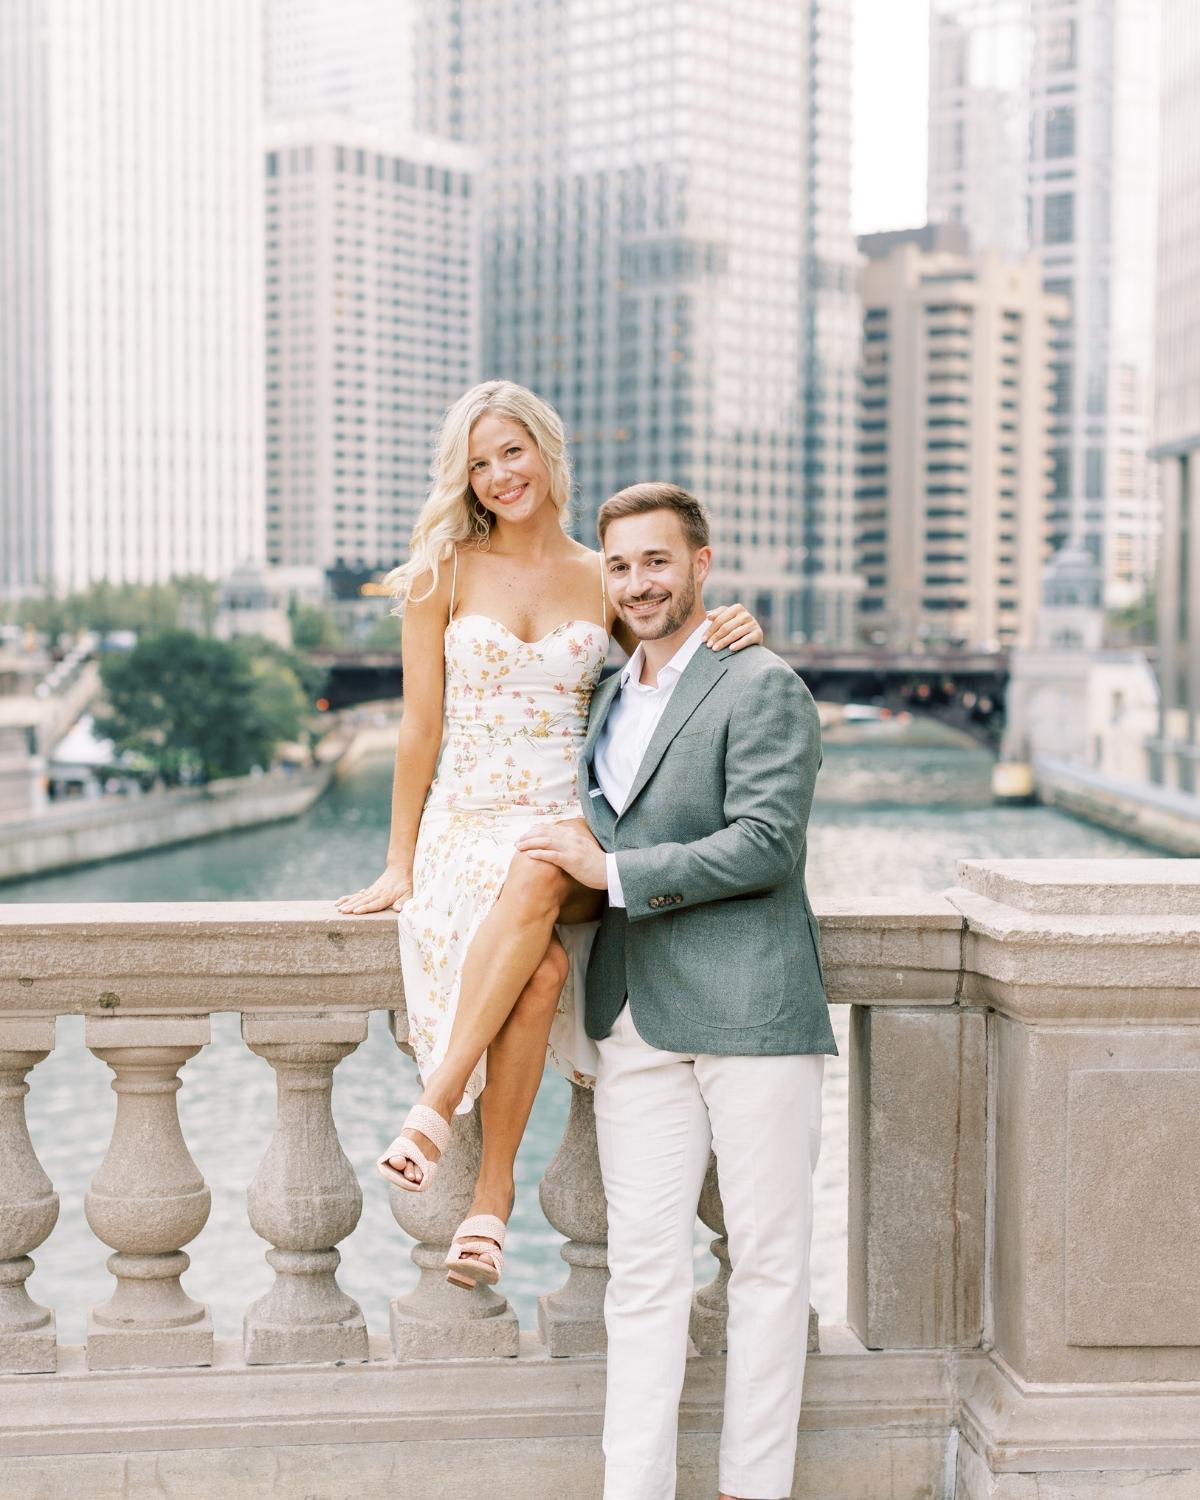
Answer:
[(393, 888)]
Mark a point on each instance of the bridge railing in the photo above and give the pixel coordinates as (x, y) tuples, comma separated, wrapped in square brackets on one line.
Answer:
[(1025, 1087)]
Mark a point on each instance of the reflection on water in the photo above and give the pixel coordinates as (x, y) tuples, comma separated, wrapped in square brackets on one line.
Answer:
[(887, 819)]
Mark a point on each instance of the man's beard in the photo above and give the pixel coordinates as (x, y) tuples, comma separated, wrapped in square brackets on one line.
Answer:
[(677, 612)]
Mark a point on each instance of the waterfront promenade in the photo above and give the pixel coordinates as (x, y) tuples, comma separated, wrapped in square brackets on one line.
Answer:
[(1025, 1075)]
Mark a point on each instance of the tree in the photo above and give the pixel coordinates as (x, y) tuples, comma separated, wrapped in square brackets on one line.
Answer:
[(313, 629), (384, 634), (194, 707)]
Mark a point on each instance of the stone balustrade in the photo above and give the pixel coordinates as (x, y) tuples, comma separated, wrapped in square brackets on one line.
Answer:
[(1024, 1207)]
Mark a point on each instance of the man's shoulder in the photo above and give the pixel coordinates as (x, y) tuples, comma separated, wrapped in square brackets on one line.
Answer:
[(759, 665)]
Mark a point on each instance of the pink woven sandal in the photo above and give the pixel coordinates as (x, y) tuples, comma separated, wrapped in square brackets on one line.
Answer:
[(404, 1148), (477, 1252)]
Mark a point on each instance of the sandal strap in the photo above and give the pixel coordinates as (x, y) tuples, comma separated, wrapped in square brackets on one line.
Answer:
[(429, 1123), (470, 1249), (404, 1148), (482, 1226)]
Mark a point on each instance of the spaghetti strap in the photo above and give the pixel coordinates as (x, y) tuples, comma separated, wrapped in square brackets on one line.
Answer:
[(453, 584), (603, 592)]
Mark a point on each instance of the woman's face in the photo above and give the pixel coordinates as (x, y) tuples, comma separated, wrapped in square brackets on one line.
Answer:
[(507, 472)]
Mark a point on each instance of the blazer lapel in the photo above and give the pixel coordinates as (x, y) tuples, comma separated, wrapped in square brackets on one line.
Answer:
[(700, 676), (602, 700)]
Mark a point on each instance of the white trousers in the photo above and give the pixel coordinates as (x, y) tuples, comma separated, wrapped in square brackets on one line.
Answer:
[(657, 1115)]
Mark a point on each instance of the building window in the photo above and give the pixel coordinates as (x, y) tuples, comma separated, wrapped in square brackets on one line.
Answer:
[(1060, 46), (1059, 222), (1060, 131), (1093, 483)]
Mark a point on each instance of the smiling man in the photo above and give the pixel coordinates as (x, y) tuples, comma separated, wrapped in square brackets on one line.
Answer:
[(705, 997)]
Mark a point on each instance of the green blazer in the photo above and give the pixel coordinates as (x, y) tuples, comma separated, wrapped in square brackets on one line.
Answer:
[(717, 947)]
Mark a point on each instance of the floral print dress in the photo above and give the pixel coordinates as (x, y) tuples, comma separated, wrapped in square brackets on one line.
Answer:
[(515, 718)]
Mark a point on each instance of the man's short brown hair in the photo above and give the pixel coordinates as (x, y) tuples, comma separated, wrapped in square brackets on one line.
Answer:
[(638, 499)]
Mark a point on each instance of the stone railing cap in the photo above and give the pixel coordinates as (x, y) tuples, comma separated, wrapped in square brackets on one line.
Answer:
[(1088, 887)]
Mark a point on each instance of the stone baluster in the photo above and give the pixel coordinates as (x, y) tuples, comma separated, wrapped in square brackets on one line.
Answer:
[(148, 1199), (305, 1197), (28, 1203), (710, 1305), (438, 1320), (571, 1320)]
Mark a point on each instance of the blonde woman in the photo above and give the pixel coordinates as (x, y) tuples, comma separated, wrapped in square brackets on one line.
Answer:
[(506, 629)]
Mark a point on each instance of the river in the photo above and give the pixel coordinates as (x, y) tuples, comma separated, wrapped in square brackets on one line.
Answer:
[(888, 818)]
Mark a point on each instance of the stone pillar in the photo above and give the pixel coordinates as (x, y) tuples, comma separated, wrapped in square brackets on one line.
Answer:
[(710, 1305), (148, 1199), (28, 1203), (1092, 971), (437, 1320), (305, 1197), (918, 1135), (571, 1320)]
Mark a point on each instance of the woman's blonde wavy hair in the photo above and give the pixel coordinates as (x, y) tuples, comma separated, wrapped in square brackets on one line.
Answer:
[(451, 514)]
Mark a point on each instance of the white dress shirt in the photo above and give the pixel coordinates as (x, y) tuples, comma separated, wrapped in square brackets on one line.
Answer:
[(632, 719)]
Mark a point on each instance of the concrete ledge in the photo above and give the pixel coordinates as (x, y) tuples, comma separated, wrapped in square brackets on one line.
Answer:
[(873, 1427), (294, 955), (1154, 814), (85, 833), (1029, 1429)]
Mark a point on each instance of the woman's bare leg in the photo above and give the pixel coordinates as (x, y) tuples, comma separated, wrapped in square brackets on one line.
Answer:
[(515, 1062), (511, 942)]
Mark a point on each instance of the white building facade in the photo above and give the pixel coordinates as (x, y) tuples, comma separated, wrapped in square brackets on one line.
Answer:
[(372, 329), (353, 58), (980, 55), (668, 259), (131, 410), (1073, 85), (1175, 760)]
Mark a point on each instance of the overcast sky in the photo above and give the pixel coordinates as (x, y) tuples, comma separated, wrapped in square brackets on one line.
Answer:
[(891, 85)]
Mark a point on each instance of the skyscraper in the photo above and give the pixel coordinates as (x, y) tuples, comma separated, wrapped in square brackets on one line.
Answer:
[(372, 266), (954, 440), (372, 329), (130, 256), (353, 58), (980, 53), (668, 259), (1176, 756), (1075, 81)]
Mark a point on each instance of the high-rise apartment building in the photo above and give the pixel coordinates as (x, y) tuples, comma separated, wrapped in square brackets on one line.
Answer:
[(954, 413), (131, 414), (668, 259), (1176, 756), (372, 272), (353, 58), (1073, 83)]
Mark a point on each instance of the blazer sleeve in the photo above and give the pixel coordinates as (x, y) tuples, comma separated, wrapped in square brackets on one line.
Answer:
[(772, 755)]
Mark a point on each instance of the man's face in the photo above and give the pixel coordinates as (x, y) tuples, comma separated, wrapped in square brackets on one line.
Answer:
[(653, 575)]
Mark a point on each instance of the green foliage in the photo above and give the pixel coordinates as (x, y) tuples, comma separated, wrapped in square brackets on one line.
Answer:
[(384, 634), (104, 607), (309, 678), (197, 708), (312, 629), (1135, 624)]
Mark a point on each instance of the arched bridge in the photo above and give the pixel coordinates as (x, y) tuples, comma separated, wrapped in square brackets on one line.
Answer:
[(965, 689)]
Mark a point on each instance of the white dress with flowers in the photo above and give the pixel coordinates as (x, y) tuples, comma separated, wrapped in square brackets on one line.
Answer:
[(515, 718)]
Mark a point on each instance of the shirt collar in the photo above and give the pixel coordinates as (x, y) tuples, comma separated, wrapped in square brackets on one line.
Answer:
[(669, 674)]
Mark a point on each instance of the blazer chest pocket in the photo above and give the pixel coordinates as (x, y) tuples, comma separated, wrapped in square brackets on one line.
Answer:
[(695, 739)]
